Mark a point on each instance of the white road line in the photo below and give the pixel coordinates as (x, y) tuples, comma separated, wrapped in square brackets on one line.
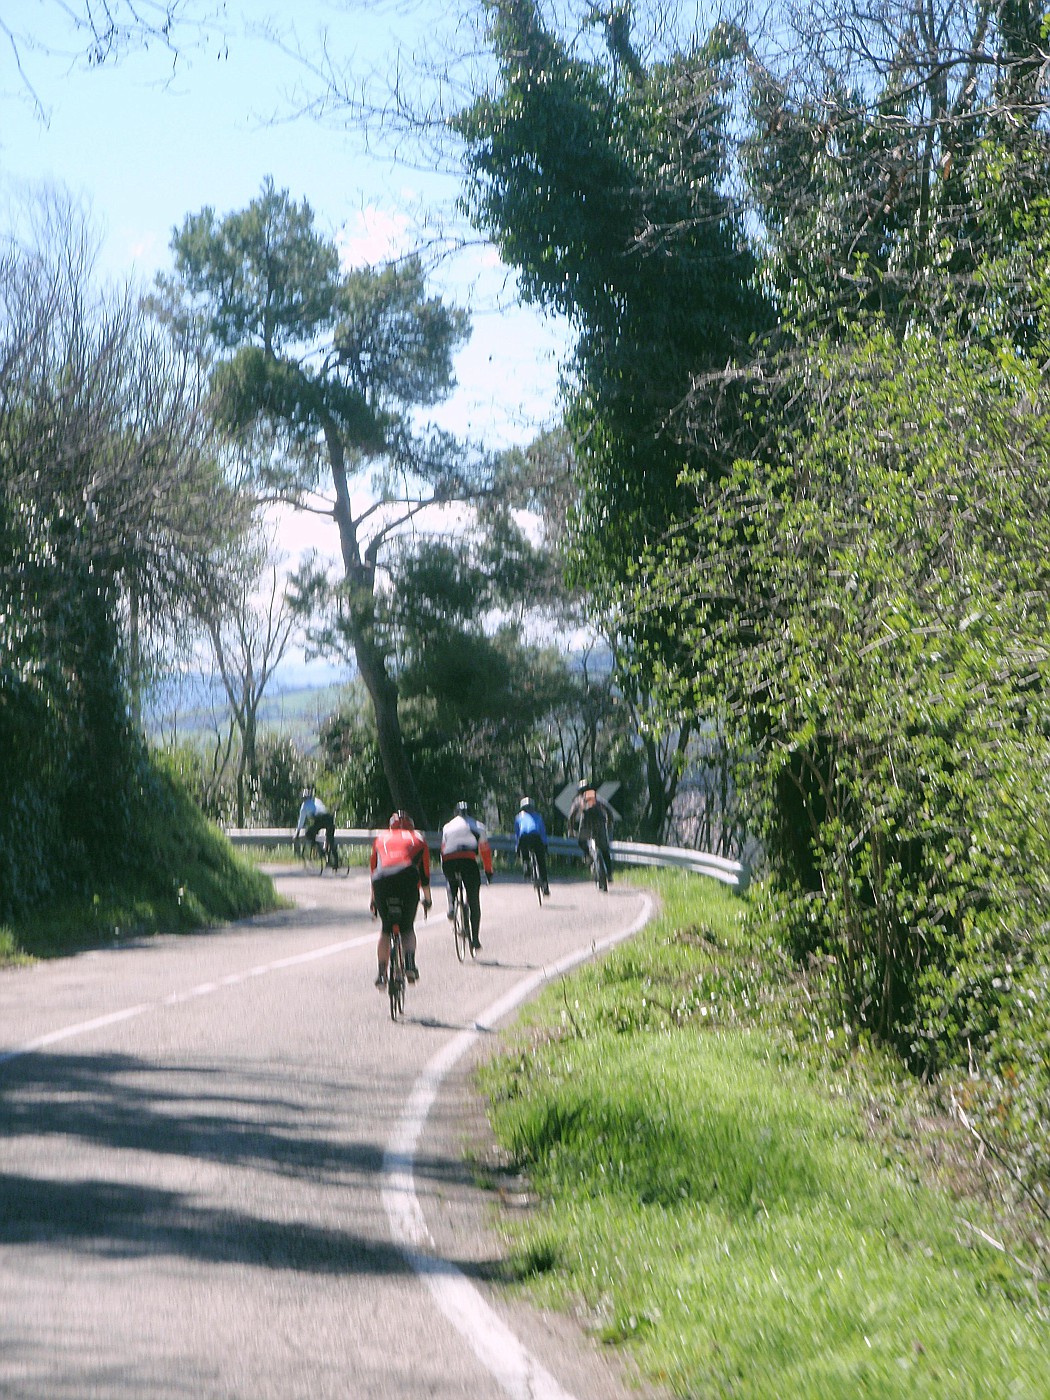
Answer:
[(203, 989), (495, 1346)]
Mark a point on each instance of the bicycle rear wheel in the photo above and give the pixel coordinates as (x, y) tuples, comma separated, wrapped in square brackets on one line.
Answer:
[(601, 875), (461, 924), (534, 871), (395, 978)]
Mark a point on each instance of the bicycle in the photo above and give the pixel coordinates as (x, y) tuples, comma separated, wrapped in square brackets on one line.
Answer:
[(396, 969), (599, 869), (313, 854), (461, 924), (337, 862), (532, 869), (395, 974)]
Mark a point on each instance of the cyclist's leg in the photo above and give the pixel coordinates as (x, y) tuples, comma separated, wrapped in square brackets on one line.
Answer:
[(328, 823), (541, 856), (471, 877), (451, 870), (380, 891), (408, 894), (603, 842), (584, 840)]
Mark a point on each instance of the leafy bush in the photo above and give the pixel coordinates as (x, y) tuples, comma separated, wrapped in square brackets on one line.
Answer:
[(890, 565), (174, 871), (283, 772)]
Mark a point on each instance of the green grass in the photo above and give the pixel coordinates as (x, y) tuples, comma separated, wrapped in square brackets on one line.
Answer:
[(708, 1190), (182, 874)]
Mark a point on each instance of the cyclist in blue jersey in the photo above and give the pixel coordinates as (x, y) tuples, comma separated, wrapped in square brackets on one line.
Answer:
[(530, 834)]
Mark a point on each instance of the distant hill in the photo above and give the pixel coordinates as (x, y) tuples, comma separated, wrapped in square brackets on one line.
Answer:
[(300, 697), (297, 702)]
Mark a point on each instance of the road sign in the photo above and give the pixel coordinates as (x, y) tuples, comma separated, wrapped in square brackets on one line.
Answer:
[(566, 797)]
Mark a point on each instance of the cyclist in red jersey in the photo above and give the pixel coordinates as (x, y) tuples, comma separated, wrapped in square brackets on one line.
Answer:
[(400, 868)]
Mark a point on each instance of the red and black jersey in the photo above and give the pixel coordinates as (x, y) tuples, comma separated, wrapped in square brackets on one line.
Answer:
[(398, 850)]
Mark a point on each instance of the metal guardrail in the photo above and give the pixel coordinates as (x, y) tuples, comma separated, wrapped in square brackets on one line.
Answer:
[(729, 872)]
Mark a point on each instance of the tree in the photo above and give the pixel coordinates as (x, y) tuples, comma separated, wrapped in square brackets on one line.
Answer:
[(879, 140), (97, 34), (895, 668), (249, 638), (451, 616), (327, 367), (108, 492), (602, 181)]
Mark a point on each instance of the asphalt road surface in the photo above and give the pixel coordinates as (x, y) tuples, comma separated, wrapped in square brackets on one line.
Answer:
[(224, 1172)]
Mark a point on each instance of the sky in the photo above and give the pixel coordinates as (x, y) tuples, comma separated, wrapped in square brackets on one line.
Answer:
[(152, 137)]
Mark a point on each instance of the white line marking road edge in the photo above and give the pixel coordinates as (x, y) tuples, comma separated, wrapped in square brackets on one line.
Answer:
[(494, 1344)]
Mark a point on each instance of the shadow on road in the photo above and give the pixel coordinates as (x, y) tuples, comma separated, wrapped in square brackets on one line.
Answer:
[(433, 1023), (214, 1120)]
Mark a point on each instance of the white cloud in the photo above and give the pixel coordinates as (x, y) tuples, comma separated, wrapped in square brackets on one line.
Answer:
[(374, 235)]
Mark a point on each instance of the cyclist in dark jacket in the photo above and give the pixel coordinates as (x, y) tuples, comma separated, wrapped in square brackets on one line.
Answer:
[(590, 815), (314, 817)]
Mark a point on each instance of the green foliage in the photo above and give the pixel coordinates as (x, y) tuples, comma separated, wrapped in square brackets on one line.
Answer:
[(891, 567), (167, 870), (112, 510), (262, 274), (1010, 1102), (890, 178), (706, 1199), (283, 773), (445, 770), (608, 198), (394, 343)]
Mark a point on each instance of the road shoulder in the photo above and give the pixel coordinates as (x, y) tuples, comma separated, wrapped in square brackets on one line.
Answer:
[(464, 1201)]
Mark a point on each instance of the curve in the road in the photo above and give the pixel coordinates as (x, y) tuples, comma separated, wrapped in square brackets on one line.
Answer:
[(495, 1346), (203, 989)]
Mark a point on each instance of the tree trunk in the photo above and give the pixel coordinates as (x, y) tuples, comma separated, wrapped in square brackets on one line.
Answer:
[(371, 663), (382, 691)]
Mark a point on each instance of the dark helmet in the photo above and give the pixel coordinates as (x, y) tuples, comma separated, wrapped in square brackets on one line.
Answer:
[(400, 820), (525, 802), (462, 809), (583, 785), (307, 792)]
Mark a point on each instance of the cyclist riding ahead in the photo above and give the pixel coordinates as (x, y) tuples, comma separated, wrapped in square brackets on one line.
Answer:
[(463, 842), (313, 817), (400, 867), (530, 834), (590, 815)]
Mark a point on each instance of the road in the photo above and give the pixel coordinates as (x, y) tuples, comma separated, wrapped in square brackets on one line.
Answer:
[(224, 1172)]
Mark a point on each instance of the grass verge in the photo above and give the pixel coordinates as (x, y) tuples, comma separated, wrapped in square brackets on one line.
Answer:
[(709, 1188)]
